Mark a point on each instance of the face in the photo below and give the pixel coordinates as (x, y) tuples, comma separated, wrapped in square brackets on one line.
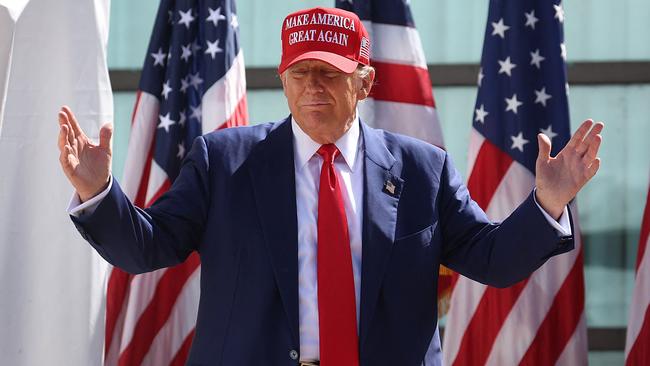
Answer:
[(323, 99)]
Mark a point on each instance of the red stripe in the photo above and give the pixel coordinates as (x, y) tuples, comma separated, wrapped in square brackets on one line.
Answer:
[(136, 107), (490, 167), (645, 232), (157, 311), (640, 351), (163, 188), (561, 321), (402, 83), (141, 196), (486, 323), (181, 356), (116, 293)]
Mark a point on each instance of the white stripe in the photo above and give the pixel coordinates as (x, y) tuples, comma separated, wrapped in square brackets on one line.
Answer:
[(640, 300), (395, 44), (142, 131), (476, 140), (575, 352), (464, 300), (141, 292), (180, 323), (219, 102), (157, 177), (409, 119)]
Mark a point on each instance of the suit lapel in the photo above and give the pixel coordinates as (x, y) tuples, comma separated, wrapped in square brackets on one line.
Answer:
[(382, 188), (272, 173)]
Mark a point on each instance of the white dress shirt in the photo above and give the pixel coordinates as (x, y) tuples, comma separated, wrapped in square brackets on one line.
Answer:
[(307, 163)]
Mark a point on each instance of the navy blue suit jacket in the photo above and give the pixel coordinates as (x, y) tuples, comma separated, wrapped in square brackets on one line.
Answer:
[(234, 203)]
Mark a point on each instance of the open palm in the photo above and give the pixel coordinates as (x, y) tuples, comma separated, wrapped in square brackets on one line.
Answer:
[(87, 165), (558, 179)]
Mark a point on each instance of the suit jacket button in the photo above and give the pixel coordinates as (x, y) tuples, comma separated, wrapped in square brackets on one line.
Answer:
[(293, 354)]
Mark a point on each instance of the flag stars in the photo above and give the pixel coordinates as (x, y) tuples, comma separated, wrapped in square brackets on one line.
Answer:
[(499, 28), (536, 59), (481, 113), (181, 151), (165, 122), (531, 19), (213, 48), (548, 132), (196, 112), (196, 47), (506, 66), (518, 142), (215, 16), (512, 104), (234, 21), (186, 52), (185, 83), (563, 51), (195, 80), (182, 118), (480, 76), (541, 97), (159, 57), (166, 89), (559, 13), (186, 18)]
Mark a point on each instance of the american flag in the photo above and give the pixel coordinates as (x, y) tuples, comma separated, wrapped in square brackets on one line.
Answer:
[(522, 92), (192, 82), (637, 344)]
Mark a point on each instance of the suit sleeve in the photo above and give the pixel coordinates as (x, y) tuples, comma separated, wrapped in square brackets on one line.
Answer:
[(496, 254), (163, 235)]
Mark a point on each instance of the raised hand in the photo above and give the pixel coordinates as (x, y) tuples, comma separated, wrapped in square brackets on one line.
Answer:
[(86, 164), (559, 179)]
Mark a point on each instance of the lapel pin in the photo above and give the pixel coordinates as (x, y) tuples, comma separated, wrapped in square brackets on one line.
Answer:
[(389, 187)]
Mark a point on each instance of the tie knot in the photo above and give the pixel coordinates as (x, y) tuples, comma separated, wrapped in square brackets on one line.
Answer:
[(328, 152)]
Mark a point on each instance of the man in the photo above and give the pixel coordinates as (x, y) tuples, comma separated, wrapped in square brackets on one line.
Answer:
[(320, 238)]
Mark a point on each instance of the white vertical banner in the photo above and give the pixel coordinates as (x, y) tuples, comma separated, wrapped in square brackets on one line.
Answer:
[(51, 282)]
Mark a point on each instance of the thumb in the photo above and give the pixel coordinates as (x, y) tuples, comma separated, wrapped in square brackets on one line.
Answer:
[(544, 146), (105, 135)]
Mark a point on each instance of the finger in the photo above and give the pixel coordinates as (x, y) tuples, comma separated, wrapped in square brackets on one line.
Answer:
[(580, 134), (63, 137), (66, 158), (593, 168), (592, 151), (590, 139), (73, 122), (544, 147), (105, 135)]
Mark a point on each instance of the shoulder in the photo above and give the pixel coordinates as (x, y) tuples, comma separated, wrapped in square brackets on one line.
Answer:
[(408, 149)]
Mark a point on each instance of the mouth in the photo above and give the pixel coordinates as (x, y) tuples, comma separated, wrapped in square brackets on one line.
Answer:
[(315, 104)]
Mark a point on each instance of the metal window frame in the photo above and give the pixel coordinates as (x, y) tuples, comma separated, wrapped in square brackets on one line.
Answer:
[(442, 75)]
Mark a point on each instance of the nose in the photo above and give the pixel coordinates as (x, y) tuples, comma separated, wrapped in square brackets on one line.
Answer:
[(314, 81)]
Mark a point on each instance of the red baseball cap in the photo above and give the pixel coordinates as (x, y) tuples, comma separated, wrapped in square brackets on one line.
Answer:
[(335, 36)]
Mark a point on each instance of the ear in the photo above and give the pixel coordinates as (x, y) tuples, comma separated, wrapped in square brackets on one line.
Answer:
[(283, 78), (366, 85)]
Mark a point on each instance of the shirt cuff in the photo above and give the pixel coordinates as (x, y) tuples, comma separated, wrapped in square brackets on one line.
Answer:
[(78, 209), (562, 225)]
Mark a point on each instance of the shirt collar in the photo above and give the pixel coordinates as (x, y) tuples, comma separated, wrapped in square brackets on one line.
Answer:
[(305, 147)]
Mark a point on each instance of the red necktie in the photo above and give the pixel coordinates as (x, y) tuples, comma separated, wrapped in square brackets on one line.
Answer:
[(337, 318)]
